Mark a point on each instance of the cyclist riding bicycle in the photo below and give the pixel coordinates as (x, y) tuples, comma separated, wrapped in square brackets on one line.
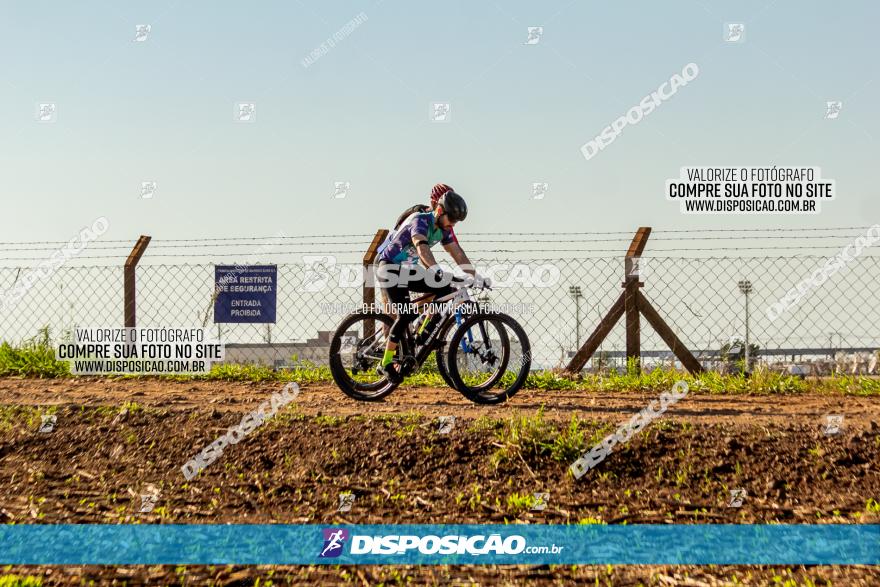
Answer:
[(436, 193), (399, 271)]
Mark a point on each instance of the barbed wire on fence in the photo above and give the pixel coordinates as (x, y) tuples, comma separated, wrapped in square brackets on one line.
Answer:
[(509, 243)]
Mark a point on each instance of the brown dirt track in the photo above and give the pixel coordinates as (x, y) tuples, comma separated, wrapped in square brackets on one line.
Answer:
[(327, 399), (92, 468)]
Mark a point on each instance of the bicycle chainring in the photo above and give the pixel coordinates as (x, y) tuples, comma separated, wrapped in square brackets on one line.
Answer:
[(408, 365)]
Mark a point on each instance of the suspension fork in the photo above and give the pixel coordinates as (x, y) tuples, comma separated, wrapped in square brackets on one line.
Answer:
[(468, 338), (487, 342), (467, 341)]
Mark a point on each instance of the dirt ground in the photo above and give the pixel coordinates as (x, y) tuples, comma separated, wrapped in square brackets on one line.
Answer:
[(96, 462), (327, 399)]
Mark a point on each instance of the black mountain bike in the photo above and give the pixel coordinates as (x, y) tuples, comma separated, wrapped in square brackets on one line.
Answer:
[(484, 355)]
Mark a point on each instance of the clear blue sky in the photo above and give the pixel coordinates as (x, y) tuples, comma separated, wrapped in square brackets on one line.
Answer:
[(162, 110)]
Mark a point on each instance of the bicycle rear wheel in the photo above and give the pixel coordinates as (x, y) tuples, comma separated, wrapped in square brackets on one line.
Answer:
[(496, 352), (355, 352)]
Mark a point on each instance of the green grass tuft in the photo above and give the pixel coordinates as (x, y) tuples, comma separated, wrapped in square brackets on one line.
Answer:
[(533, 436), (33, 358)]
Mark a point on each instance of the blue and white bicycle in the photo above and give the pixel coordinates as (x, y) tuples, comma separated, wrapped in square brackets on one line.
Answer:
[(483, 354)]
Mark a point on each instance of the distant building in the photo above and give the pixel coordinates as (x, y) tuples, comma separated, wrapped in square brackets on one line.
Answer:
[(313, 350)]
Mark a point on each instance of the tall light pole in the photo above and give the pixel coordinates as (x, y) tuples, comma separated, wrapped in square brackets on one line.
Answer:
[(745, 286), (575, 292)]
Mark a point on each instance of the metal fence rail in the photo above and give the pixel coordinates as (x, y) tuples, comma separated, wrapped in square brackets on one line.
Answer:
[(691, 280)]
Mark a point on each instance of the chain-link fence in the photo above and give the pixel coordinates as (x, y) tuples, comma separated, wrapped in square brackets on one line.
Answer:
[(558, 295)]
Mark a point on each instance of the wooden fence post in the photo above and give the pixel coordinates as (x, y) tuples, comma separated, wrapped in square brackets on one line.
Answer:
[(672, 341), (129, 290), (632, 303), (631, 285), (369, 291)]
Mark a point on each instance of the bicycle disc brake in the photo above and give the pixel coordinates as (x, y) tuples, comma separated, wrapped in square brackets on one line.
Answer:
[(486, 355)]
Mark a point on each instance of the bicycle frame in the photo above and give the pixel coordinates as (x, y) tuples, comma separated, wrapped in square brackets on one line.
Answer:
[(451, 311)]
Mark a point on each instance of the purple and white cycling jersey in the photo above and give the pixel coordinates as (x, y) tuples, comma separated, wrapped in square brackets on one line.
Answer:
[(398, 248)]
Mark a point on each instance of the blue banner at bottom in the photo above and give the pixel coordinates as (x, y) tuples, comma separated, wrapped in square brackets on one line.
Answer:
[(440, 544)]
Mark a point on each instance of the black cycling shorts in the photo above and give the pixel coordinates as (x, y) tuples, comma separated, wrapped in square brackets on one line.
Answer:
[(398, 295)]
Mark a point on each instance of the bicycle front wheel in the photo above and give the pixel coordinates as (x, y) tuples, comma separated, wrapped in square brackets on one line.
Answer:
[(489, 350)]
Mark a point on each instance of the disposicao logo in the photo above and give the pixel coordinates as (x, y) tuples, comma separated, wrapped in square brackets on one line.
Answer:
[(334, 540), (473, 545), (432, 544)]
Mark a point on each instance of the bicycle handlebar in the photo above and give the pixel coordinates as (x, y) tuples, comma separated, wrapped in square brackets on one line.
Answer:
[(469, 282)]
